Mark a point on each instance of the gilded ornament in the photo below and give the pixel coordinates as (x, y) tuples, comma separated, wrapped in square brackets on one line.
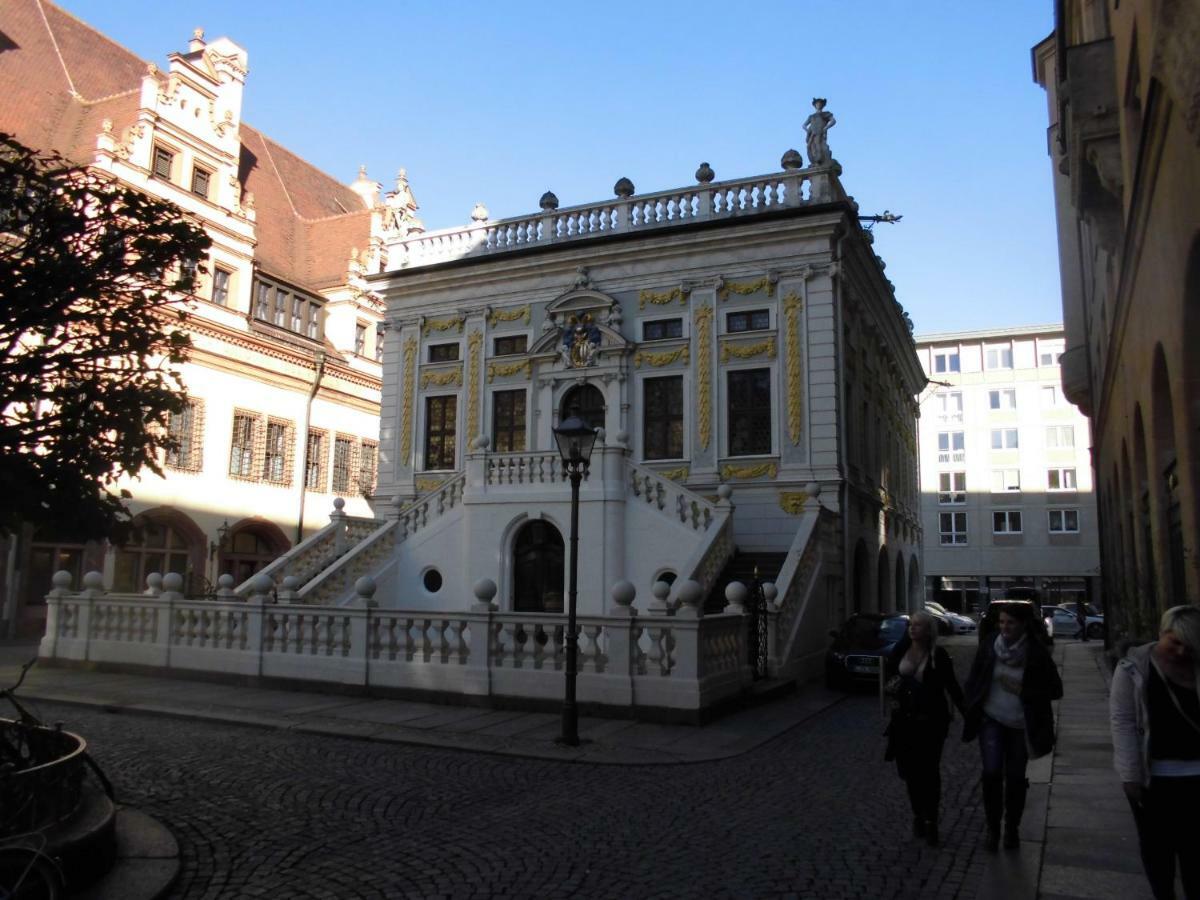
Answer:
[(660, 298), (509, 315), (502, 370), (444, 324), (768, 469), (791, 309), (425, 485), (704, 316), (658, 360), (747, 351), (410, 362), (441, 379), (745, 288), (474, 346), (679, 474), (792, 502)]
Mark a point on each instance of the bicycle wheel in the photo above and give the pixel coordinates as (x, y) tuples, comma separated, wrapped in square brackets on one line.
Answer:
[(28, 875)]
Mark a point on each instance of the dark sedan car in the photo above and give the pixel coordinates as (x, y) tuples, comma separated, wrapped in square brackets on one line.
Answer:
[(859, 646)]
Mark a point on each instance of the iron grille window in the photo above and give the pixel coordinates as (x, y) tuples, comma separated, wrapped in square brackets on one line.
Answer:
[(277, 461), (663, 329), (440, 415), (368, 462), (343, 460), (262, 301), (220, 286), (360, 338), (508, 421), (185, 428), (751, 320), (749, 416), (511, 345), (241, 454), (379, 333), (163, 159), (200, 181), (314, 461), (443, 352), (662, 422)]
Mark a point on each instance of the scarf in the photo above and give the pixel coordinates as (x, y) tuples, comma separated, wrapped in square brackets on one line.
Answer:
[(1011, 654)]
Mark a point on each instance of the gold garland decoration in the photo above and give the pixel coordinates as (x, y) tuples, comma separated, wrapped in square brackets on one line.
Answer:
[(747, 351), (444, 324), (658, 360), (768, 468), (704, 317), (661, 298), (509, 315), (745, 288), (474, 344), (410, 360), (425, 485), (792, 502), (679, 474), (441, 379), (502, 370), (791, 308)]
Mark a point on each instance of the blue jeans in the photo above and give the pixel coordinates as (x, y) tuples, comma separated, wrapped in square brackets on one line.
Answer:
[(1005, 755)]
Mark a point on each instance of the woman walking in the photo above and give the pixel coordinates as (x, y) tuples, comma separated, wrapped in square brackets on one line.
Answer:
[(923, 676), (1012, 682), (1154, 708)]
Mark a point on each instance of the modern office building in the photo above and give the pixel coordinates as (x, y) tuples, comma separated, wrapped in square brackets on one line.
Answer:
[(1006, 485)]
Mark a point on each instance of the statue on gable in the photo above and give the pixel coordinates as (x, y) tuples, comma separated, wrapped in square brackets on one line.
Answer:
[(580, 341), (817, 128)]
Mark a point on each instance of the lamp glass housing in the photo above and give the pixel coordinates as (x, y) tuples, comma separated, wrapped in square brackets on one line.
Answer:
[(575, 439)]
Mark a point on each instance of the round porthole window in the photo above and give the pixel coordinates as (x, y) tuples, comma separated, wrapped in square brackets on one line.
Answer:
[(667, 576), (432, 581)]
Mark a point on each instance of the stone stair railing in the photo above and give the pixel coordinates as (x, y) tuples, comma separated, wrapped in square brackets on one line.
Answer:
[(318, 551), (531, 467), (671, 498), (717, 200), (794, 640), (430, 507), (334, 584)]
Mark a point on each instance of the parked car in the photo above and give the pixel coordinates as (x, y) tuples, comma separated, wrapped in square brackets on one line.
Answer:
[(944, 625), (1061, 620), (1090, 608), (959, 624), (859, 647)]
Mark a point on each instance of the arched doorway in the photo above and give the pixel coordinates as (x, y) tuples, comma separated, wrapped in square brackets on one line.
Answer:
[(1165, 472), (862, 577), (161, 541), (538, 568), (883, 575), (585, 401), (249, 547)]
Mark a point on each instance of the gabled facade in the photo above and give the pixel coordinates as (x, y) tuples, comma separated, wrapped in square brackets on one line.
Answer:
[(284, 378)]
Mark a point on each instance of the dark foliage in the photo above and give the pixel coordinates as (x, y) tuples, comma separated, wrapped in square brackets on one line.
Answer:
[(93, 288)]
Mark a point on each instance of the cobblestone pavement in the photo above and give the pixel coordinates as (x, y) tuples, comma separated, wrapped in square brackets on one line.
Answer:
[(260, 813)]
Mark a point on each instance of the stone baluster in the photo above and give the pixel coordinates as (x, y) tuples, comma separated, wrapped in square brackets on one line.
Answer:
[(225, 589), (289, 590), (622, 641)]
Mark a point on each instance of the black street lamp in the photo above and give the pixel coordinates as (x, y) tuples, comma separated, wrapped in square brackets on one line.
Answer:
[(575, 439)]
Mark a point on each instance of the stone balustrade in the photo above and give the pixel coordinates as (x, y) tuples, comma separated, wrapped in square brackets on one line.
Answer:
[(671, 497), (683, 663), (534, 467), (624, 214), (428, 508)]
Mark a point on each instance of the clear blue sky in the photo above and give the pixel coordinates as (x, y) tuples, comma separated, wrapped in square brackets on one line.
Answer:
[(938, 116)]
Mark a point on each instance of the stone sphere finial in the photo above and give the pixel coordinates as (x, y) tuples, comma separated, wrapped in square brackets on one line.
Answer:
[(724, 491), (484, 590), (154, 581), (61, 580), (225, 582), (623, 437), (770, 591), (338, 504), (479, 213), (736, 593), (623, 188), (691, 596), (261, 584), (93, 581), (600, 435), (290, 583), (365, 587), (623, 593), (813, 489), (172, 582), (549, 201), (792, 160), (705, 174), (397, 501)]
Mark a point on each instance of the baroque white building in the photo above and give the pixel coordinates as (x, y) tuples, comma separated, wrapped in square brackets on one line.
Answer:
[(1007, 497), (754, 379)]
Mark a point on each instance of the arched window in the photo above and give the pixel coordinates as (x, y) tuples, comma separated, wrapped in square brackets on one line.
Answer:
[(160, 544), (249, 549), (586, 402), (538, 568)]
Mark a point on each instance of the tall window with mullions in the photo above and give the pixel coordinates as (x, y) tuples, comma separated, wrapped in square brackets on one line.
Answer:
[(508, 421), (241, 452), (749, 409), (440, 437), (662, 418)]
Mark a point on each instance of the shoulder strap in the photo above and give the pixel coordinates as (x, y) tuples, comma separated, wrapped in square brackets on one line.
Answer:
[(1171, 693)]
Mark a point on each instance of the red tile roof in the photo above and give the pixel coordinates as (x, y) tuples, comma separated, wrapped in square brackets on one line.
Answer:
[(60, 78)]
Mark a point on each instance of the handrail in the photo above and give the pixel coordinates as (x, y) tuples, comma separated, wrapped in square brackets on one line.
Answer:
[(343, 566), (686, 504)]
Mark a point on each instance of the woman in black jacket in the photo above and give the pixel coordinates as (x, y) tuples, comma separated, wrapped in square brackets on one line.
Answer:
[(921, 675), (1012, 683)]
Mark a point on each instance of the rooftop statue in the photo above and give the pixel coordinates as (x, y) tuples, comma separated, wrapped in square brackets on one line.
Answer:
[(817, 126)]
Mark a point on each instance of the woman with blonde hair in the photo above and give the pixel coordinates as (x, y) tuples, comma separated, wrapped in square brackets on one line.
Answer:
[(921, 675), (1154, 707)]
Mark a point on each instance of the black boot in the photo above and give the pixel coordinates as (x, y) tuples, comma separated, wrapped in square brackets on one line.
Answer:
[(993, 798), (931, 832), (1014, 806)]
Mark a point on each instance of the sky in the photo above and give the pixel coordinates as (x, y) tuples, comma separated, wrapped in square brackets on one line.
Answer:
[(938, 117)]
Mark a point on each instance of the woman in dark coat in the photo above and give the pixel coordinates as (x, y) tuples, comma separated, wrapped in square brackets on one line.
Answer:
[(1012, 683), (922, 674)]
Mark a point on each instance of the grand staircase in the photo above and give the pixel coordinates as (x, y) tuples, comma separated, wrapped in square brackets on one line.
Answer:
[(744, 567)]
